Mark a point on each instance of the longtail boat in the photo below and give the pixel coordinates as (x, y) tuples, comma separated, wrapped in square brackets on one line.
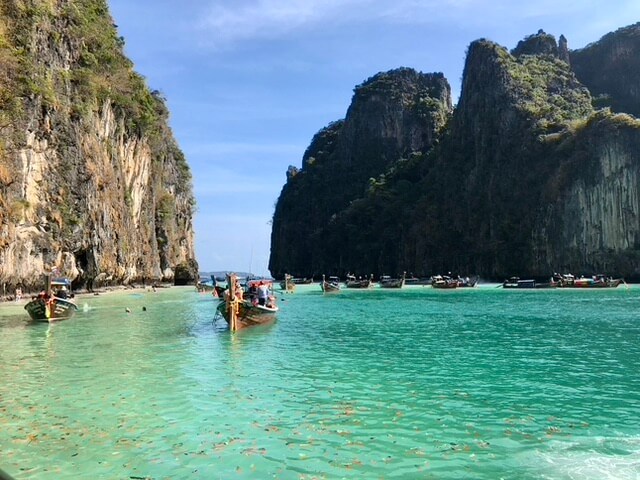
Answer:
[(387, 282), (516, 282), (242, 311), (353, 282), (302, 281), (53, 303), (206, 285), (287, 284), (330, 286), (443, 282), (596, 281)]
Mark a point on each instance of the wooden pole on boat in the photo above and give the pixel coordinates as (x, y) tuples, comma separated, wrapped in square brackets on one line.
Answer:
[(232, 301)]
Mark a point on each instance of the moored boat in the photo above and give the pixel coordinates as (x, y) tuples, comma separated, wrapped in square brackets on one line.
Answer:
[(206, 285), (516, 282), (330, 286), (287, 284), (467, 282), (567, 280), (447, 281), (353, 282), (387, 282), (242, 309), (53, 303), (443, 282), (417, 281), (596, 281), (302, 281)]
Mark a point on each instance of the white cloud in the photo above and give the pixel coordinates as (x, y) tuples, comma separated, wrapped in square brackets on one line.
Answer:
[(270, 18), (228, 22)]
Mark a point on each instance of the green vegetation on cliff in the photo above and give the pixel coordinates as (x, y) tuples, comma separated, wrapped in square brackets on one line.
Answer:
[(524, 178), (91, 179)]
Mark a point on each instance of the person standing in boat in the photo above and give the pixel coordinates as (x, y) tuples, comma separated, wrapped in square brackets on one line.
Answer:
[(263, 293), (239, 291)]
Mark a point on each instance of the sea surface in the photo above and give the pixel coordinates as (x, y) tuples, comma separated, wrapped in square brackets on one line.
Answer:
[(480, 383)]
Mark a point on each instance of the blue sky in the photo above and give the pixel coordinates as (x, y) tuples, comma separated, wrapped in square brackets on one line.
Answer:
[(249, 82)]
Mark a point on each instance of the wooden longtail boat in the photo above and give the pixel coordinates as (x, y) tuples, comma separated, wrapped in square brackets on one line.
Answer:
[(240, 312), (53, 303), (446, 281), (330, 286), (353, 282), (516, 282), (387, 282), (206, 286), (287, 284), (302, 281), (443, 282), (596, 281)]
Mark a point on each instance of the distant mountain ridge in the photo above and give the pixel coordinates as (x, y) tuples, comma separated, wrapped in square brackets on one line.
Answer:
[(536, 170)]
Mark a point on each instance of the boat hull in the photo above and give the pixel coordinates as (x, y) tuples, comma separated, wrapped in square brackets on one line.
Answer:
[(444, 285), (595, 284), (287, 285), (392, 283), (249, 315), (358, 284), (50, 310), (597, 281), (328, 287)]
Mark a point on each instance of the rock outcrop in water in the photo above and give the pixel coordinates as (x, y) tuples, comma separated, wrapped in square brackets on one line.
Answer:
[(529, 175), (92, 182)]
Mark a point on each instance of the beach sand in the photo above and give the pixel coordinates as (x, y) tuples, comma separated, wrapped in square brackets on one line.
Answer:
[(9, 306)]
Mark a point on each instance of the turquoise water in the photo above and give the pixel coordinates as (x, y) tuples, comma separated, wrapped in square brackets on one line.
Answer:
[(415, 383)]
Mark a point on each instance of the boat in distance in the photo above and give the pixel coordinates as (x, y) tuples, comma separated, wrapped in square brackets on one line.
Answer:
[(388, 282), (565, 281), (353, 282), (53, 303), (447, 281), (332, 285), (596, 281), (517, 282), (302, 281), (250, 306), (287, 284)]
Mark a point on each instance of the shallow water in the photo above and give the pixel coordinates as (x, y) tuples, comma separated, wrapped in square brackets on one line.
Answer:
[(477, 383)]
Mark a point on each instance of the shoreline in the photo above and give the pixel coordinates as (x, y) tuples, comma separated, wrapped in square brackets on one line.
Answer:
[(9, 300)]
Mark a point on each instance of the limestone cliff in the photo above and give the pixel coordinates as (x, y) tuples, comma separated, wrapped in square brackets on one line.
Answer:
[(92, 182), (392, 115), (526, 177), (609, 68)]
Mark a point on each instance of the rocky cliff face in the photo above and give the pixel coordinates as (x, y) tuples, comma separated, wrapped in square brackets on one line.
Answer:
[(392, 115), (496, 159), (92, 183), (609, 68), (590, 218), (526, 177)]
